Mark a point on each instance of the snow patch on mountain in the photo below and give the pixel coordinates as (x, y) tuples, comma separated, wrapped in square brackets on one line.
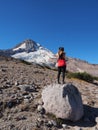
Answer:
[(23, 46), (40, 56), (33, 52)]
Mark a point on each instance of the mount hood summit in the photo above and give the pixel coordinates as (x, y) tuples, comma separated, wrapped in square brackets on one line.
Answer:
[(32, 52)]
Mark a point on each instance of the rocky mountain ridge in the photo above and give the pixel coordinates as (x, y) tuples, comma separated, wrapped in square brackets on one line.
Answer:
[(27, 45), (77, 65)]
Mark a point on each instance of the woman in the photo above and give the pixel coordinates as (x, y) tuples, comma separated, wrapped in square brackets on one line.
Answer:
[(61, 66)]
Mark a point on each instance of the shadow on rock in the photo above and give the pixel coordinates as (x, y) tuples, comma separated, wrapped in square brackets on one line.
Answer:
[(88, 120)]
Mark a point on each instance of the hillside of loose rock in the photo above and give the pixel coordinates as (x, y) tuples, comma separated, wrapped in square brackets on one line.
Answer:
[(77, 65), (21, 85)]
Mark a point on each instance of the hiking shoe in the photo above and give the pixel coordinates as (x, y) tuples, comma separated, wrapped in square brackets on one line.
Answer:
[(64, 82)]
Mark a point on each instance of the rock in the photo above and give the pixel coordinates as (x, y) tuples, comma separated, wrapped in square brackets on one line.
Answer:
[(64, 126), (49, 124), (26, 101), (13, 102), (25, 87), (40, 109), (64, 101), (16, 83)]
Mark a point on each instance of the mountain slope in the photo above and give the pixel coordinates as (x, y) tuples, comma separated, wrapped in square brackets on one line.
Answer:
[(33, 52), (77, 65), (21, 88)]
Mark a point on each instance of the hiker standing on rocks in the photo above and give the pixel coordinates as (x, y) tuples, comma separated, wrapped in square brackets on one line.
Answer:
[(61, 64)]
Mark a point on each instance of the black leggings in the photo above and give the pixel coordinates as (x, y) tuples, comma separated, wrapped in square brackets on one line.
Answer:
[(63, 70)]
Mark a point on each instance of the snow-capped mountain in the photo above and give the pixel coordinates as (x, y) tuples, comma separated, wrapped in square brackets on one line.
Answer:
[(31, 51), (27, 45)]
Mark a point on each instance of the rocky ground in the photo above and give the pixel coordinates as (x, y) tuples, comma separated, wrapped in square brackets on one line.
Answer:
[(21, 85)]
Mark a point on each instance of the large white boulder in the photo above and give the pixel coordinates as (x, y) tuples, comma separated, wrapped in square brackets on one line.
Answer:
[(64, 101)]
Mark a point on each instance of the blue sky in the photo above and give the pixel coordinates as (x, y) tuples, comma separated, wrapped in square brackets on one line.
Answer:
[(72, 24)]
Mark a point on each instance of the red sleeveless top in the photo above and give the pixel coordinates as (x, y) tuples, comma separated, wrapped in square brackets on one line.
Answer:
[(61, 62)]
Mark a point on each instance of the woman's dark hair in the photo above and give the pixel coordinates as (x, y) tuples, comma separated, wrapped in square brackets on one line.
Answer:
[(61, 48), (62, 56)]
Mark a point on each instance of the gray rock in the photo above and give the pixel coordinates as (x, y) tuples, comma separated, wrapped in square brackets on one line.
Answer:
[(25, 87), (40, 109), (64, 101), (26, 101)]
